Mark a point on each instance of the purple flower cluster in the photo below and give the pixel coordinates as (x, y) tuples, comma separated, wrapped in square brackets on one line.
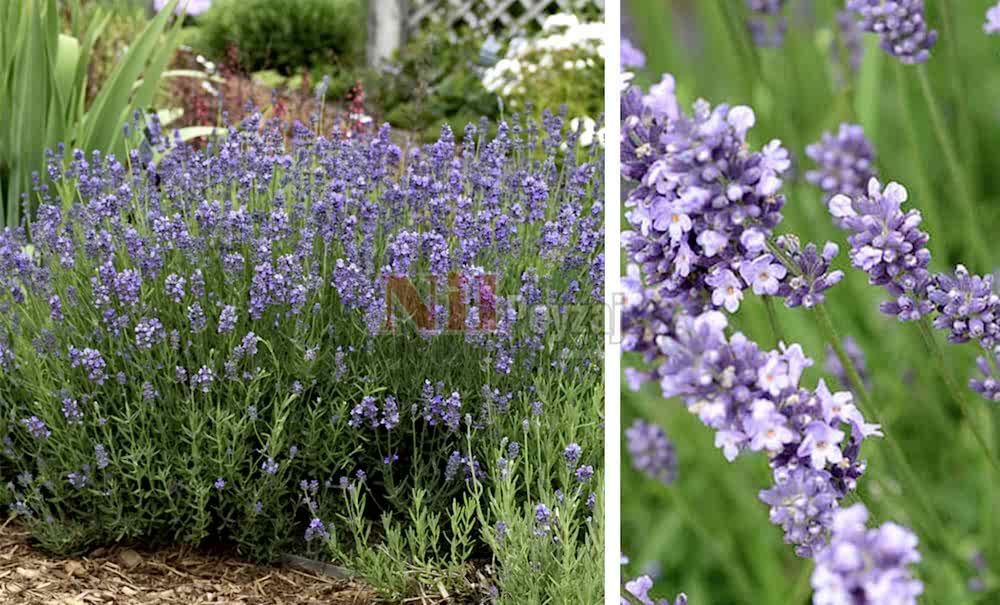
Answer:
[(638, 590), (631, 56), (992, 25), (811, 275), (866, 565), (754, 401), (651, 451), (845, 162), (705, 204), (888, 245), (850, 40), (767, 28), (900, 26)]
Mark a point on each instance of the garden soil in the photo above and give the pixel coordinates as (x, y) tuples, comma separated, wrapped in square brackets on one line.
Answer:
[(120, 575)]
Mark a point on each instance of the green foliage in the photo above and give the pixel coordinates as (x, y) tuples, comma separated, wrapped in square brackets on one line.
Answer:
[(283, 36), (43, 89), (432, 80), (709, 533)]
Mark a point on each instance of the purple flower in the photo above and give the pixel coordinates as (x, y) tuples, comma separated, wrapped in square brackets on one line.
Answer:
[(269, 466), (584, 473), (315, 530), (989, 385), (36, 427), (91, 361), (220, 483), (203, 379), (703, 202), (967, 307), (992, 25), (811, 273), (227, 319), (764, 274), (651, 451), (572, 453), (900, 25), (148, 332), (71, 410), (102, 456), (638, 589), (631, 56), (845, 162), (887, 244), (863, 565)]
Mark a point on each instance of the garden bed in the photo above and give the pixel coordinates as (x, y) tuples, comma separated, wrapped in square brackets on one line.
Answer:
[(166, 576)]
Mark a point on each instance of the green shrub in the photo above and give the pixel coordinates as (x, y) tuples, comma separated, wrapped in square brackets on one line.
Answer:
[(433, 80), (285, 35), (195, 349)]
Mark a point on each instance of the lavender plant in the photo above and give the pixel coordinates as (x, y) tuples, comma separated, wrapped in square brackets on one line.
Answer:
[(211, 345), (700, 174), (927, 124)]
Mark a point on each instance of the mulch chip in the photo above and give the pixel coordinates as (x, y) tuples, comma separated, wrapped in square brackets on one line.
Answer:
[(167, 576)]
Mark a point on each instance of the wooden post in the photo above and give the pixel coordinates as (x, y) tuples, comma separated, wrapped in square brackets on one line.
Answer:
[(386, 29)]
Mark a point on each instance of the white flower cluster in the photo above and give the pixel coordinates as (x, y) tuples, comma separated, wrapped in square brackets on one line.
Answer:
[(565, 43)]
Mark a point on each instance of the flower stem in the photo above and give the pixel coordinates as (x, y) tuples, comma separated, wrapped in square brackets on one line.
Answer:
[(772, 317), (957, 392), (965, 195)]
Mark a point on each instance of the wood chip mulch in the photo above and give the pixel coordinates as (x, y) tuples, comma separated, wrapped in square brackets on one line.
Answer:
[(169, 576)]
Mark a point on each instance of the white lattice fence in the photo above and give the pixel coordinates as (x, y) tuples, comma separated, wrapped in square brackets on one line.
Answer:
[(494, 15), (391, 22)]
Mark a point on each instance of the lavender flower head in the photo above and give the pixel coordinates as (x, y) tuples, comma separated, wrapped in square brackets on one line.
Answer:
[(638, 590), (811, 275), (754, 401), (767, 32), (845, 162), (651, 451), (863, 565), (992, 25), (887, 244), (900, 26), (967, 306), (704, 203), (631, 56)]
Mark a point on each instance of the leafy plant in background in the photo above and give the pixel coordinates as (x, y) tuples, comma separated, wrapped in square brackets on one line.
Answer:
[(705, 208), (433, 80), (43, 90), (283, 36), (200, 349), (563, 65)]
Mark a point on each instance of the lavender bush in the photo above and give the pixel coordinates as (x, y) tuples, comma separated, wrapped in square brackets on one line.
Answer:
[(202, 345)]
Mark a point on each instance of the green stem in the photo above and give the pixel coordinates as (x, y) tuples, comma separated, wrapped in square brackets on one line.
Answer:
[(957, 392), (772, 317), (932, 523), (965, 194)]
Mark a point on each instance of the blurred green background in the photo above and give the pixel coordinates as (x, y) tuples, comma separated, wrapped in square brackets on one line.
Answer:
[(708, 534)]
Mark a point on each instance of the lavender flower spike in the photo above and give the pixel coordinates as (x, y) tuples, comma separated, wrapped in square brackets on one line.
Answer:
[(652, 452), (864, 565), (638, 590), (900, 25), (888, 245), (845, 162), (992, 25)]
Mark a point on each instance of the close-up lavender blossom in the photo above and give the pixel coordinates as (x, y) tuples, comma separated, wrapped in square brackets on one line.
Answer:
[(835, 482)]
